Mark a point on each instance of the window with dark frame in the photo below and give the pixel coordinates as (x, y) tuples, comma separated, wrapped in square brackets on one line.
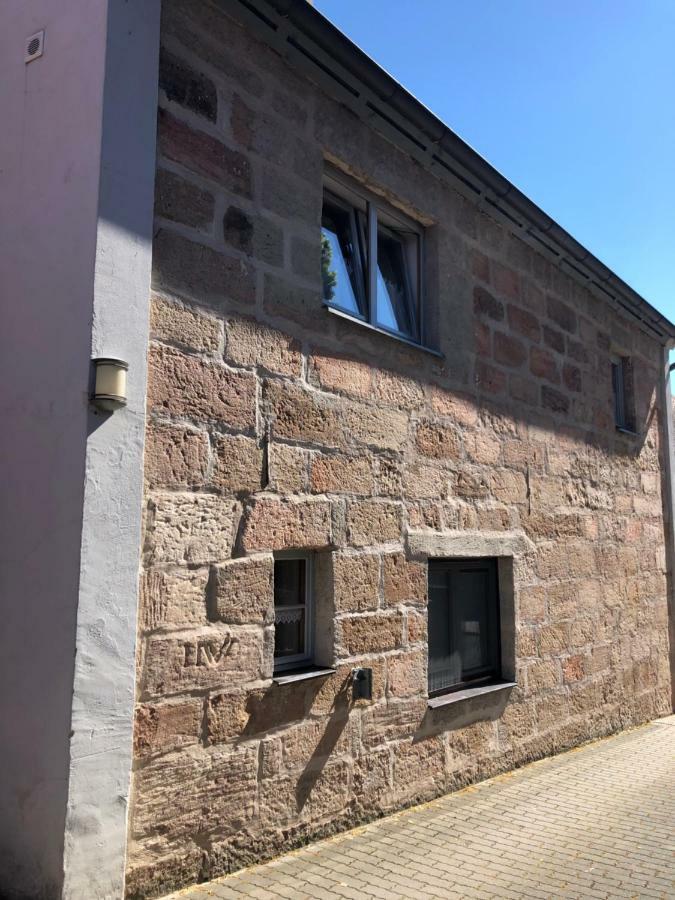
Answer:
[(293, 612), (622, 390), (464, 644), (370, 261)]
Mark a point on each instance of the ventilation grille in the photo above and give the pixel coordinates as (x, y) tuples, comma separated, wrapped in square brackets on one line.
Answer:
[(35, 45)]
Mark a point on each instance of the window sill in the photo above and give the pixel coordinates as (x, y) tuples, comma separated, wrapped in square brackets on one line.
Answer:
[(453, 697), (390, 334), (627, 431), (306, 674)]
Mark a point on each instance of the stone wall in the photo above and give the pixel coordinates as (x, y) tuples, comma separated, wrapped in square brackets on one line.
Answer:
[(275, 425)]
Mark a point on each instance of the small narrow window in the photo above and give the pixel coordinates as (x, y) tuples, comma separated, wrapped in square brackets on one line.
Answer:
[(622, 389), (370, 262), (463, 624), (292, 612)]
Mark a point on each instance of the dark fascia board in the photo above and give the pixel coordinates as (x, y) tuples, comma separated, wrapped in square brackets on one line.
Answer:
[(297, 29)]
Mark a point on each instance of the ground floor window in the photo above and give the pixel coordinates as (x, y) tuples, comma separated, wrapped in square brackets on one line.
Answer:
[(293, 611), (464, 645)]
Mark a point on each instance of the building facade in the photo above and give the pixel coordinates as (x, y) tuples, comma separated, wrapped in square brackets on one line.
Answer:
[(423, 478), (405, 521)]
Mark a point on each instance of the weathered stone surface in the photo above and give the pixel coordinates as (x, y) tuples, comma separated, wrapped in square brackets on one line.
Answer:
[(194, 791), (437, 441), (177, 325), (188, 528), (180, 200), (186, 386), (254, 235), (242, 591), (203, 154), (199, 273), (299, 415), (175, 457), (252, 344), (184, 85), (356, 582), (372, 522), (160, 727), (370, 633), (227, 716), (342, 375), (407, 674), (341, 474), (284, 524), (287, 468), (404, 581), (176, 597), (217, 657), (237, 464)]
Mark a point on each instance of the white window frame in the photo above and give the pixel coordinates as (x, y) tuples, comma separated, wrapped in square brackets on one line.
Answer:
[(376, 211), (284, 663)]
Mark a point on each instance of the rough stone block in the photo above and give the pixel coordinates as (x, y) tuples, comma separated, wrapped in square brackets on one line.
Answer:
[(216, 657), (373, 522), (407, 674), (242, 591), (196, 791), (489, 379), (160, 727), (254, 235), (484, 304), (175, 457), (356, 582), (176, 597), (563, 316), (370, 633), (554, 400), (300, 415), (237, 464), (543, 365), (404, 581), (508, 350), (227, 716), (286, 524), (250, 343), (397, 390), (184, 85), (199, 273), (419, 768), (438, 441), (524, 323), (287, 468), (186, 386), (341, 474), (177, 325), (341, 375), (203, 154), (180, 200), (188, 528), (395, 720)]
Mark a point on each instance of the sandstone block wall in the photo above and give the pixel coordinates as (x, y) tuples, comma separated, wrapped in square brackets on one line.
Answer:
[(275, 425)]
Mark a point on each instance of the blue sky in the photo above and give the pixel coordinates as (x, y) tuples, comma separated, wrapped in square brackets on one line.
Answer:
[(572, 101)]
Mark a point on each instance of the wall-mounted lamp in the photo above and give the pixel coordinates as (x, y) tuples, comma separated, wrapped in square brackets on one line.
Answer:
[(110, 385)]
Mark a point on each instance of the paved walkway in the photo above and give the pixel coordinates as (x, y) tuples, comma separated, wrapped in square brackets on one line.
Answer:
[(596, 822)]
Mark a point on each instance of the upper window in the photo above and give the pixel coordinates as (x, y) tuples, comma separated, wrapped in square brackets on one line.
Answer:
[(370, 261), (293, 632), (622, 388), (463, 624)]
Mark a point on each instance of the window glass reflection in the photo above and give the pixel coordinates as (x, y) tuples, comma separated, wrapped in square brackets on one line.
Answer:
[(339, 266), (394, 295)]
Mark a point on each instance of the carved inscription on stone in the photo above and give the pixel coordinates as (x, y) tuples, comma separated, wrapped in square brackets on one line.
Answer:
[(209, 653)]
